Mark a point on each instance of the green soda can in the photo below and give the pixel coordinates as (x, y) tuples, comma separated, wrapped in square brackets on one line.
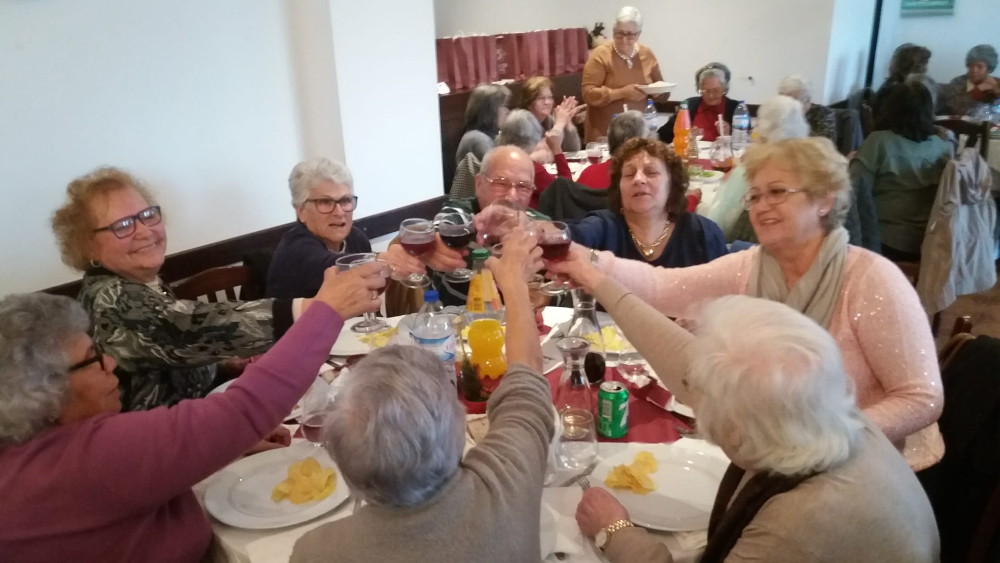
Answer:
[(612, 410)]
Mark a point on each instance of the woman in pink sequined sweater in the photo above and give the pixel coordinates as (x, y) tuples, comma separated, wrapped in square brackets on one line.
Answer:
[(799, 196)]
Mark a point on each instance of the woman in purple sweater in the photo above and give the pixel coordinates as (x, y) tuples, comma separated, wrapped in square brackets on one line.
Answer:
[(83, 482)]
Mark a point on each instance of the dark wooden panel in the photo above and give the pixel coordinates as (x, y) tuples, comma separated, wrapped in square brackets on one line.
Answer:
[(231, 251)]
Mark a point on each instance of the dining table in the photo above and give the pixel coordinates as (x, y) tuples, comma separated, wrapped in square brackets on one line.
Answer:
[(652, 427)]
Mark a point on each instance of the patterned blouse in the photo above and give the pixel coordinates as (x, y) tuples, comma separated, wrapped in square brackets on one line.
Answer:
[(166, 348)]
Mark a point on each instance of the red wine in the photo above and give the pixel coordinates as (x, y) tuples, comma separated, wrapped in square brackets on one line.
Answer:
[(312, 428), (593, 366), (593, 159), (418, 248), (457, 236), (555, 251)]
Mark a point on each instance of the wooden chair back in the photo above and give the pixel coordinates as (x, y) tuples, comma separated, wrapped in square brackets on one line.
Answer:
[(975, 132), (229, 280)]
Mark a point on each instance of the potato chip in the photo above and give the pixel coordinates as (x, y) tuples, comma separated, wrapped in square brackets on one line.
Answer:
[(378, 339), (307, 481), (635, 476)]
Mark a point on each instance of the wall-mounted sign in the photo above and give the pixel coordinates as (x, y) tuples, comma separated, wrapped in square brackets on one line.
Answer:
[(927, 7)]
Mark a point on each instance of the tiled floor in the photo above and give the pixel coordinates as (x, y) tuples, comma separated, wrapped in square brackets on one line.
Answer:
[(984, 308)]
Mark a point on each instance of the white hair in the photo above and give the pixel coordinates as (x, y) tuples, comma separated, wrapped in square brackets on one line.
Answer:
[(781, 117), (35, 329), (628, 14), (521, 129), (503, 152), (396, 429), (773, 387), (714, 72), (306, 173), (796, 86)]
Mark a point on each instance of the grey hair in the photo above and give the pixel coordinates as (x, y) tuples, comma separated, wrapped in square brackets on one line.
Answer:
[(306, 173), (796, 86), (716, 69), (521, 129), (628, 14), (781, 117), (985, 54), (34, 332), (774, 378), (503, 151), (625, 126), (396, 429)]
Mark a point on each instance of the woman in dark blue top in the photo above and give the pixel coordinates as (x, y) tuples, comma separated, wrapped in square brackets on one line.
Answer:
[(647, 219)]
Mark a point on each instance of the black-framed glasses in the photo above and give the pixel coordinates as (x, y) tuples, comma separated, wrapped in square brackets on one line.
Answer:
[(773, 196), (126, 225), (325, 204), (504, 185), (97, 358)]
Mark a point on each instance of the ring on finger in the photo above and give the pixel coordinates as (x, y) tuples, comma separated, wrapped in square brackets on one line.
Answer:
[(374, 295)]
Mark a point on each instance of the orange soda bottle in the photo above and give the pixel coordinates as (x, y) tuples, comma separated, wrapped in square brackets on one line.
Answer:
[(682, 129), (486, 338)]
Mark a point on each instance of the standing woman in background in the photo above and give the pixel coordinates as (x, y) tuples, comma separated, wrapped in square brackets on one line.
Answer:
[(614, 72)]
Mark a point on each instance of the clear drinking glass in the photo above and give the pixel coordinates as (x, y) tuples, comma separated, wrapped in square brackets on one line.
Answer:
[(456, 230), (594, 153), (554, 239), (499, 219), (577, 445), (370, 323), (418, 238)]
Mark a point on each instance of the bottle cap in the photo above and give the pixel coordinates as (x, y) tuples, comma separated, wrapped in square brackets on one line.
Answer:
[(430, 296), (480, 254)]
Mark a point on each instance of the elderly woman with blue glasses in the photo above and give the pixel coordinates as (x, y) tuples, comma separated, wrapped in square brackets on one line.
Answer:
[(167, 349), (84, 482), (799, 194)]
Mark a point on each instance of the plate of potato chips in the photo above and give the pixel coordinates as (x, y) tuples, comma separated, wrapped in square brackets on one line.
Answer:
[(276, 488), (350, 343), (665, 487)]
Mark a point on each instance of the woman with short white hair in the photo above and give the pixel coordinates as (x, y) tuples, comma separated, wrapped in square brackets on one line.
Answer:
[(397, 431), (821, 119), (522, 130), (810, 474), (712, 82), (615, 71)]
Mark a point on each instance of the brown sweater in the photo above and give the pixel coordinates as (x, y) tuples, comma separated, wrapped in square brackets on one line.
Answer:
[(489, 509), (871, 508), (606, 71)]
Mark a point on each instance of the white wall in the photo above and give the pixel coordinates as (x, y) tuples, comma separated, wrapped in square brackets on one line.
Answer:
[(850, 42), (762, 39), (948, 37), (211, 103)]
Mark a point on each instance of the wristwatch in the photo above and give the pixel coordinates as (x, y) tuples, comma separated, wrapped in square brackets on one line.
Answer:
[(603, 537)]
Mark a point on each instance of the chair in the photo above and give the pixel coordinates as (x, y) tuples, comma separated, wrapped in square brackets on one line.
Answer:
[(208, 284), (975, 131)]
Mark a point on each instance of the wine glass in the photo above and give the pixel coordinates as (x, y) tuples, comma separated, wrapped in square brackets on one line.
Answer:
[(457, 231), (370, 323), (418, 238), (594, 152), (554, 239), (498, 220)]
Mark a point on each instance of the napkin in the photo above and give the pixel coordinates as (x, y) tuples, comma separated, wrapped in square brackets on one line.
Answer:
[(563, 501)]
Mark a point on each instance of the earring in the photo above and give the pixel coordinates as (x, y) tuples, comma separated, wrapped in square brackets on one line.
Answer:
[(823, 212), (94, 263)]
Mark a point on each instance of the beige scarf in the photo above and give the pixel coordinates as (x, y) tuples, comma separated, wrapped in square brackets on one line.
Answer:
[(816, 292)]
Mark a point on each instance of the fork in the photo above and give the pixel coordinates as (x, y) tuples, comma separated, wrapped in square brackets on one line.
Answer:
[(584, 482)]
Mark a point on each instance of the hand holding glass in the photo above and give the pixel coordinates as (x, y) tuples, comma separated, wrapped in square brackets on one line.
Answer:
[(418, 238), (370, 323)]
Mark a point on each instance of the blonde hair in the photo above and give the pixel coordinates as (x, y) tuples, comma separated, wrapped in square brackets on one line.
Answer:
[(820, 168), (73, 223)]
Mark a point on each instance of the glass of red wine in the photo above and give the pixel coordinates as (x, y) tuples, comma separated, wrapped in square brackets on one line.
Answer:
[(554, 240), (456, 230), (594, 152), (498, 220), (370, 323), (418, 238)]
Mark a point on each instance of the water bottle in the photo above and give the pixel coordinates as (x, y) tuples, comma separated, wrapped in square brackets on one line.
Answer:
[(741, 129), (651, 118), (432, 331)]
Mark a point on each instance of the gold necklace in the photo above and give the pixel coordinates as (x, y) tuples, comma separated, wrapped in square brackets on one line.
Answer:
[(648, 250)]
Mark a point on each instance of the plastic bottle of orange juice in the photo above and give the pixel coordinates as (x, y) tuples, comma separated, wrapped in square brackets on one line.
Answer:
[(682, 128), (486, 339)]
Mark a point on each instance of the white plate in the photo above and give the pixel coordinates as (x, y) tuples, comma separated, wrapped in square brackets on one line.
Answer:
[(687, 481), (348, 343), (547, 531), (657, 88), (240, 494)]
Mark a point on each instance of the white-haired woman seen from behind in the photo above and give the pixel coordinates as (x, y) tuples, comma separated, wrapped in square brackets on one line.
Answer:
[(397, 432), (810, 475), (821, 119), (780, 117), (614, 72)]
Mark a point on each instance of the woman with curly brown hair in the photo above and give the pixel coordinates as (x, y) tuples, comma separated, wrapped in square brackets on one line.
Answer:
[(648, 218)]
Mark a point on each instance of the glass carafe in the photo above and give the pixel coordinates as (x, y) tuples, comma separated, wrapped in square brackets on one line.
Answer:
[(584, 325), (577, 445)]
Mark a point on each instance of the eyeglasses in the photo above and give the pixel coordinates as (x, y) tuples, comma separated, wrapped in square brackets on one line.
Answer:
[(503, 185), (773, 196), (326, 205), (126, 225), (626, 35), (97, 358)]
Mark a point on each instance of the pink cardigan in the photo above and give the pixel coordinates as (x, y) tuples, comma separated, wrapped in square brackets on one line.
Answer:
[(882, 331), (117, 487)]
